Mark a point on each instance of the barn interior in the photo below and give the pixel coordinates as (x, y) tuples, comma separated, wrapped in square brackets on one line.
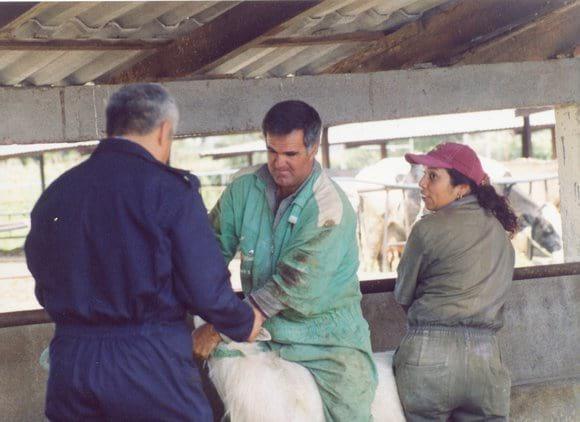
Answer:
[(355, 61)]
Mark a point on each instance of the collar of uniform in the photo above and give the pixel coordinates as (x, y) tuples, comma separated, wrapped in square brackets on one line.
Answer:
[(264, 175), (468, 199), (125, 146), (300, 197)]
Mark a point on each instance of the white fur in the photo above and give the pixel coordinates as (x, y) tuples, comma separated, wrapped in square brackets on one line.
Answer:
[(261, 386), (386, 406)]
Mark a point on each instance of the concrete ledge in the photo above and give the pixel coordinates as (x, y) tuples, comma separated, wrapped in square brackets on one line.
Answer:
[(22, 379), (76, 113), (549, 401), (539, 343), (539, 340)]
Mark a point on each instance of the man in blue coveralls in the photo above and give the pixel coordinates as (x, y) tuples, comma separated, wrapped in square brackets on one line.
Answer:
[(120, 248)]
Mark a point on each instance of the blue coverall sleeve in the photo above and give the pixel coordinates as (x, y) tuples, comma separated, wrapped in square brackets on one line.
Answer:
[(33, 244), (201, 277)]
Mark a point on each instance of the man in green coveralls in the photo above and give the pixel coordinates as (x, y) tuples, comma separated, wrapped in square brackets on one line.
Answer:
[(296, 232)]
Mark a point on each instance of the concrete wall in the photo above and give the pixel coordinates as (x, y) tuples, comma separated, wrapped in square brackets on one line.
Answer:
[(540, 339), (568, 150), (76, 113), (539, 343), (22, 379)]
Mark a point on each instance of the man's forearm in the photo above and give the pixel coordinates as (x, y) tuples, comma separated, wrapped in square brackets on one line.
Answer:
[(266, 302)]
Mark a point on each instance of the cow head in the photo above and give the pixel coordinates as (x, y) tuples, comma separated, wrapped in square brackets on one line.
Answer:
[(543, 231)]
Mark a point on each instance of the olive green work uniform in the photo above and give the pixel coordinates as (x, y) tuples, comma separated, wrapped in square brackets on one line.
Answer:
[(455, 275), (299, 265)]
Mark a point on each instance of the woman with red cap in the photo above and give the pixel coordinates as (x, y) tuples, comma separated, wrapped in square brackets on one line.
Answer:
[(453, 280)]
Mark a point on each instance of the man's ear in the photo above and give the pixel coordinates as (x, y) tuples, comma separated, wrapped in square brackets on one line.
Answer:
[(314, 150), (165, 131)]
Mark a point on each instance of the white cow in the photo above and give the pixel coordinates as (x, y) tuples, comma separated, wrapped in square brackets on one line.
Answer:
[(386, 220), (384, 216), (260, 386)]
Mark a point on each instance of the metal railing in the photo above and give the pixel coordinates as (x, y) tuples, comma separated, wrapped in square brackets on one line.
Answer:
[(381, 285)]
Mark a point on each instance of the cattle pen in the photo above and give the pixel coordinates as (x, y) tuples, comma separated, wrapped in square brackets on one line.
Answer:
[(227, 63)]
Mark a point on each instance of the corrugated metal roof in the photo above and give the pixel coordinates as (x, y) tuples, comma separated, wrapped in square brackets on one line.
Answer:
[(72, 43), (330, 18), (143, 21), (163, 21)]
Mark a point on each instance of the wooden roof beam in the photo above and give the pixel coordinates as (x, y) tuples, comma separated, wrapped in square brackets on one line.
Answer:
[(351, 37), (305, 18), (191, 52), (432, 39), (551, 36), (80, 45)]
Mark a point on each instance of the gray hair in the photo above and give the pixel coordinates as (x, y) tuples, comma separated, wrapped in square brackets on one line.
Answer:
[(140, 108)]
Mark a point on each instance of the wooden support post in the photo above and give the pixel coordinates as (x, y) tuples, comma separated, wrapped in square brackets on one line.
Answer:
[(527, 138), (384, 153), (250, 159), (42, 172), (568, 144), (325, 149)]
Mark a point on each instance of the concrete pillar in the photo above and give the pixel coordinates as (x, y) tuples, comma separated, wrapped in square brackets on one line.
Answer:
[(568, 146)]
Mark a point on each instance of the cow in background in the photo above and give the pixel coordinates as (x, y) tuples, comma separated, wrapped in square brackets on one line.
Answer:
[(386, 216)]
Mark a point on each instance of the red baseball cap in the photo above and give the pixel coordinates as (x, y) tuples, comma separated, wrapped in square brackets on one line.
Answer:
[(450, 155)]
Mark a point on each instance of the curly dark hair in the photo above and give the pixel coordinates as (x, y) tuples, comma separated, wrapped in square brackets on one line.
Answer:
[(489, 199)]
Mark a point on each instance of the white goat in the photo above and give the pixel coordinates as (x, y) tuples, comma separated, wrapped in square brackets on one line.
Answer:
[(260, 386)]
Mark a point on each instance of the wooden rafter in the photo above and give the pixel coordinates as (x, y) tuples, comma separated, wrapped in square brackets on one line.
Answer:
[(432, 39), (316, 9), (556, 34), (80, 45), (358, 36), (228, 32)]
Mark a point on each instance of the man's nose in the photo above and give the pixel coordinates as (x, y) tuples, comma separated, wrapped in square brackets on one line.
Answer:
[(423, 182), (279, 161)]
